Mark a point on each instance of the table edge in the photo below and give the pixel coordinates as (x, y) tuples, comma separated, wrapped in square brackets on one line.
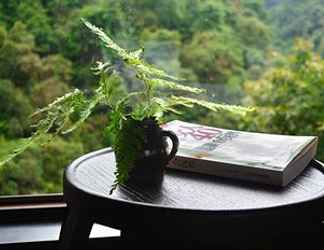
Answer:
[(68, 175)]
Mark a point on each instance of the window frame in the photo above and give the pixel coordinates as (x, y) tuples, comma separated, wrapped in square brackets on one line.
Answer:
[(32, 208)]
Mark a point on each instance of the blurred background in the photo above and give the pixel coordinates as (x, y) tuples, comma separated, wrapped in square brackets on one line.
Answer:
[(262, 53)]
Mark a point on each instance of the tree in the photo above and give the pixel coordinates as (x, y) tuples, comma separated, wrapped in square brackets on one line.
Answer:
[(288, 98), (218, 58), (304, 20), (44, 50)]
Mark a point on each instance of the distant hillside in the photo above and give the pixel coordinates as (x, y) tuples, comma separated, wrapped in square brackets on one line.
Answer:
[(271, 3), (293, 19)]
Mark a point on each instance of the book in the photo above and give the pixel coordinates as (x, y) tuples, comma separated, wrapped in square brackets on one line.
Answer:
[(273, 159)]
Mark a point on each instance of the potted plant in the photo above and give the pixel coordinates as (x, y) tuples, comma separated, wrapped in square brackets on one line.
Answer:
[(137, 139)]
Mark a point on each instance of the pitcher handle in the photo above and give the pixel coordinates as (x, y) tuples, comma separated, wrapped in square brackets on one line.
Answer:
[(175, 143)]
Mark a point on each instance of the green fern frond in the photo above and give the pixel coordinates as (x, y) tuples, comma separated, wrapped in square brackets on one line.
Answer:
[(128, 145), (21, 146), (130, 58), (59, 101), (56, 116), (137, 53), (85, 113), (60, 117), (188, 102), (142, 111), (166, 105), (108, 42), (160, 83), (102, 68), (149, 70)]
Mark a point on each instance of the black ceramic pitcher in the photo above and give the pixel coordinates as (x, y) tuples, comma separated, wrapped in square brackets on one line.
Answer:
[(150, 165)]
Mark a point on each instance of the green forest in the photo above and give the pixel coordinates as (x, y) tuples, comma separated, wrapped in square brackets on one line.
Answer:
[(262, 53)]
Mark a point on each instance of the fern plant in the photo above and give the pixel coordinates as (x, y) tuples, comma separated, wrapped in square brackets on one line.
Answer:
[(70, 111)]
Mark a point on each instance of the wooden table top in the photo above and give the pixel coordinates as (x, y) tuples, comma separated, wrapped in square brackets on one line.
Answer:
[(93, 174)]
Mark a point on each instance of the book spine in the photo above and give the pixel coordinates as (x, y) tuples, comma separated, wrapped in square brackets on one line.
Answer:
[(294, 169), (226, 170)]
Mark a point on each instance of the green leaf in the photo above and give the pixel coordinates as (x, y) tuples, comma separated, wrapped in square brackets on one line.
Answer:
[(130, 58), (160, 83), (185, 101), (20, 146), (59, 101), (137, 53)]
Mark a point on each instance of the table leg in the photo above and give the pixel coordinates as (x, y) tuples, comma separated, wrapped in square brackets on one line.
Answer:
[(142, 239), (75, 229)]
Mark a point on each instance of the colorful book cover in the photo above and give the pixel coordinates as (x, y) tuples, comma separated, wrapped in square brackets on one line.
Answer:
[(237, 148)]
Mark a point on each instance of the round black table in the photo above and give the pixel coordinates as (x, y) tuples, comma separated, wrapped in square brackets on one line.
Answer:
[(187, 208)]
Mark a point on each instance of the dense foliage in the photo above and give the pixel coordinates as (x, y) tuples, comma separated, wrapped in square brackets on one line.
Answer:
[(224, 46), (293, 19), (69, 111), (287, 98)]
